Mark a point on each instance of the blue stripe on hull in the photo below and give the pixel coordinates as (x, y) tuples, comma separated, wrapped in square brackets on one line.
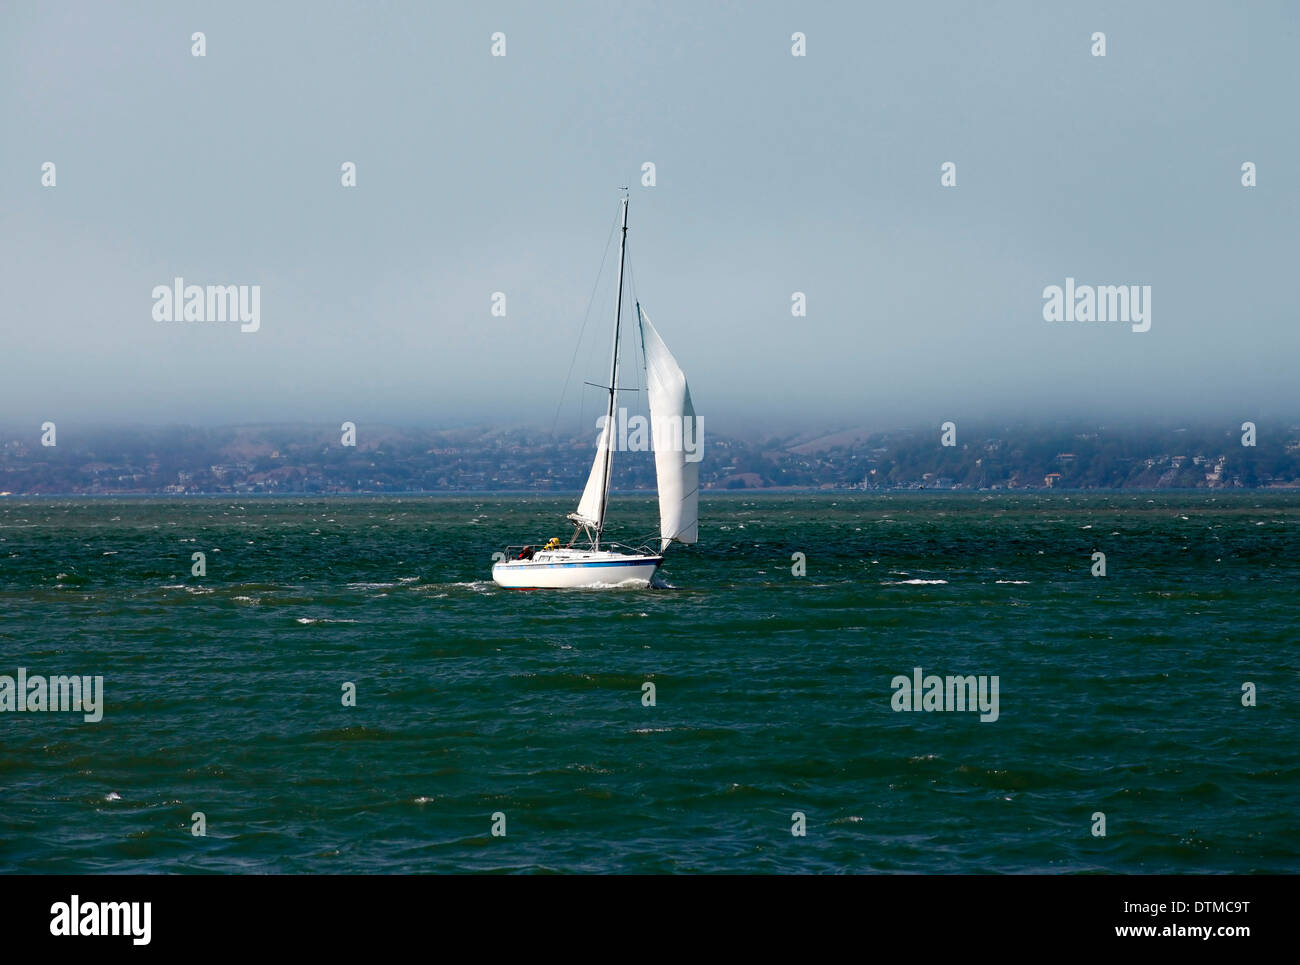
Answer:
[(591, 565)]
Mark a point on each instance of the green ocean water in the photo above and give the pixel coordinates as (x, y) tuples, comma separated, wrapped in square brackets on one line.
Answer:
[(1119, 694)]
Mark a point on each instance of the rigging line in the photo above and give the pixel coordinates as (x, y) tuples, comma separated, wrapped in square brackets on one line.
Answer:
[(585, 318)]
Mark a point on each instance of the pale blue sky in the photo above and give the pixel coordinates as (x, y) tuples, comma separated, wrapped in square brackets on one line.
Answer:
[(775, 174)]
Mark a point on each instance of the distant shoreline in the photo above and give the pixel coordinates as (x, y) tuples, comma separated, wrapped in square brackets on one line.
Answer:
[(650, 493)]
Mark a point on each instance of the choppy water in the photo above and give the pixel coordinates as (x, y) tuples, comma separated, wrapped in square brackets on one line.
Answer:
[(1119, 694)]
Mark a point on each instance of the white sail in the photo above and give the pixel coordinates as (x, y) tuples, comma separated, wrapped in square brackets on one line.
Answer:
[(677, 439), (591, 507)]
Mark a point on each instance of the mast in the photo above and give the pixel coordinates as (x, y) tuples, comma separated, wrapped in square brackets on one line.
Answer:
[(613, 377)]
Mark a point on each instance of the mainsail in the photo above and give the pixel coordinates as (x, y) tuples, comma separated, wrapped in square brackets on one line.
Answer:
[(677, 440)]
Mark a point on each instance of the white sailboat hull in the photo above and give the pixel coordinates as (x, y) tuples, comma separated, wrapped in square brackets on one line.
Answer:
[(566, 569)]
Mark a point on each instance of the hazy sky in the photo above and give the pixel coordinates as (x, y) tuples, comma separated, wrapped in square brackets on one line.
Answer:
[(775, 174)]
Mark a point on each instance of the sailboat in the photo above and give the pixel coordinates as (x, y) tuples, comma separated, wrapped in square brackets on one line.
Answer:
[(588, 559)]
